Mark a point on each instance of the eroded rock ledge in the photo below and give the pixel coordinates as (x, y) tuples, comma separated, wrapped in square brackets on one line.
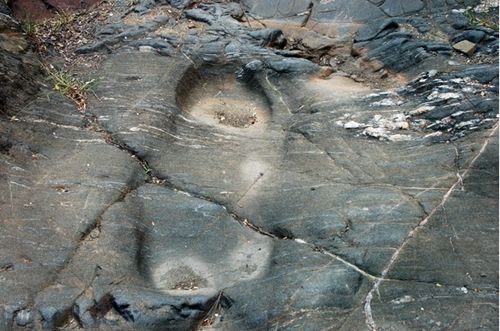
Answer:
[(259, 165)]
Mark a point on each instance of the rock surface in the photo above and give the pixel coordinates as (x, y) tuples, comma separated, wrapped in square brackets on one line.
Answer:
[(277, 165), (465, 47), (19, 69)]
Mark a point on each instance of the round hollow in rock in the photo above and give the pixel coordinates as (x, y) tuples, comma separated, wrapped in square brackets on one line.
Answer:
[(214, 96)]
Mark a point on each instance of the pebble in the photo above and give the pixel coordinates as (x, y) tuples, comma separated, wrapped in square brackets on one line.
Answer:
[(24, 317), (466, 123), (146, 49), (404, 299), (421, 110), (465, 47), (353, 125), (379, 133)]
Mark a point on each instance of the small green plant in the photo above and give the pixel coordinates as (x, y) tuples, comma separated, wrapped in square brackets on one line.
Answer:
[(71, 86), (482, 19), (29, 27), (62, 20), (146, 168)]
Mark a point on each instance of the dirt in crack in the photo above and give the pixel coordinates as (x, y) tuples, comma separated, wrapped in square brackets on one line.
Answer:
[(214, 96)]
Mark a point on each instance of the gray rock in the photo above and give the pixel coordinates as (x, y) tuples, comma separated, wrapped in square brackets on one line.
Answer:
[(19, 67), (249, 71), (353, 125), (164, 20), (91, 48), (346, 11), (291, 65), (483, 73), (180, 3), (116, 33), (146, 49), (474, 36), (378, 39), (54, 304), (111, 29), (234, 10), (215, 187), (458, 20), (445, 112), (143, 6), (446, 280), (86, 310), (420, 24), (157, 43), (24, 317), (377, 29), (288, 9), (401, 7), (199, 15), (465, 47), (271, 37)]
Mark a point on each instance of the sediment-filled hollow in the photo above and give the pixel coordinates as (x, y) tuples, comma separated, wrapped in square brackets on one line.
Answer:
[(215, 96)]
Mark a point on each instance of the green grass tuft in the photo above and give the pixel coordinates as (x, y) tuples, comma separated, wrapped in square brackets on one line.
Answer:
[(71, 86)]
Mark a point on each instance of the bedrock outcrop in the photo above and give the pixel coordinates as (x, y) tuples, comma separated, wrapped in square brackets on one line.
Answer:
[(277, 165)]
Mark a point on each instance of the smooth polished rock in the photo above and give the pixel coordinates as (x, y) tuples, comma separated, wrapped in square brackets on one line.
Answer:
[(224, 179)]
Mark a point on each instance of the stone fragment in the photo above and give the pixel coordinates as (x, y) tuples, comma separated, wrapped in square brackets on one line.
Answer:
[(181, 4), (465, 47), (444, 96), (379, 133), (293, 65), (474, 36), (421, 110), (24, 317), (146, 49), (90, 48), (376, 29), (313, 40), (387, 102), (458, 20), (404, 299), (199, 15), (272, 37), (353, 125)]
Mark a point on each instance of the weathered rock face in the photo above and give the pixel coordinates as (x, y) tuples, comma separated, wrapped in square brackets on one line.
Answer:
[(222, 181), (38, 10), (18, 66)]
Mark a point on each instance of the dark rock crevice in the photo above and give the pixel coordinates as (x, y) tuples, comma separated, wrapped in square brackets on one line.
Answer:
[(310, 10), (165, 182)]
